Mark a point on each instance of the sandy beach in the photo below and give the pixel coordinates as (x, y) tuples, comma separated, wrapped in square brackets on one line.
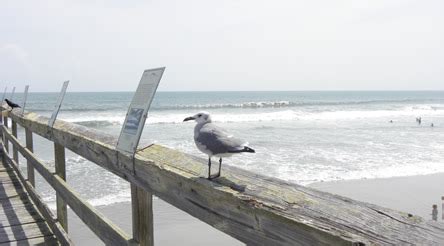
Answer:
[(414, 194), (171, 226)]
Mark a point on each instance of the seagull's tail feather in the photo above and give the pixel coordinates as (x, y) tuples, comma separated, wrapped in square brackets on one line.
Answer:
[(248, 149), (245, 149)]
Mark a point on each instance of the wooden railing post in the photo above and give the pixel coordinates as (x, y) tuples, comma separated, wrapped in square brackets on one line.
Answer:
[(5, 123), (142, 208), (14, 149), (30, 147), (60, 169)]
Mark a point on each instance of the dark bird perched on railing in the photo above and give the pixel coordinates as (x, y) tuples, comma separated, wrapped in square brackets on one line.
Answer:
[(11, 104), (214, 141)]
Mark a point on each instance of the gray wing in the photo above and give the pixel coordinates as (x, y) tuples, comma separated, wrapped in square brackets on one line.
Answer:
[(217, 140)]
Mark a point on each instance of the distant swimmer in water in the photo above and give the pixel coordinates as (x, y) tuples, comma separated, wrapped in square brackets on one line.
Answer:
[(391, 121), (418, 120), (431, 125)]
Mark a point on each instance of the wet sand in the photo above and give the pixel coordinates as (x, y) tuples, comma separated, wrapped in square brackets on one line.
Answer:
[(171, 226), (414, 195)]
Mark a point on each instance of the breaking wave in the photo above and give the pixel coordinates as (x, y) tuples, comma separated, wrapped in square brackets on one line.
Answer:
[(107, 120), (279, 104), (240, 105), (98, 123)]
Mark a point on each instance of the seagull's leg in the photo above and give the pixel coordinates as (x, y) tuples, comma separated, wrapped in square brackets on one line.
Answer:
[(209, 167), (220, 164)]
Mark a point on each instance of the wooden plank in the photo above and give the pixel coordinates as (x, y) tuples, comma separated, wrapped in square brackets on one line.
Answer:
[(9, 185), (12, 189), (6, 181), (16, 215), (30, 147), (142, 211), (14, 149), (24, 232), (252, 208), (7, 176), (16, 201), (100, 225), (60, 169), (47, 240), (53, 223)]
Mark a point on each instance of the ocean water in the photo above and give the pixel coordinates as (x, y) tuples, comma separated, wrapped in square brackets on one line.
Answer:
[(301, 137)]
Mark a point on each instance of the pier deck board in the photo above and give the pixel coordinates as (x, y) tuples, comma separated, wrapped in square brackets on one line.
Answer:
[(20, 221)]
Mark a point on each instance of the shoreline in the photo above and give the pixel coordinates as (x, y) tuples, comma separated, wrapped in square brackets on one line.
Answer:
[(411, 194)]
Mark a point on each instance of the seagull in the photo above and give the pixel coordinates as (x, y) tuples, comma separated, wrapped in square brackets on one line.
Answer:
[(11, 104), (215, 141)]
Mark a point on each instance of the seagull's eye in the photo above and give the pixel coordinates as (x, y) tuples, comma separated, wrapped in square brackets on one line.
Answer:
[(199, 115)]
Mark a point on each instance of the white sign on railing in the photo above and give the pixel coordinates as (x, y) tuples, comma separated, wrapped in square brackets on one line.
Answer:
[(138, 110), (12, 94), (25, 96), (58, 104)]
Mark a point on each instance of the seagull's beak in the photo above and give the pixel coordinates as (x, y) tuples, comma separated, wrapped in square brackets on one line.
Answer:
[(189, 118)]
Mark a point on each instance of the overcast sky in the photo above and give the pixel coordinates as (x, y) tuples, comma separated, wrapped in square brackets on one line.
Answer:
[(223, 45)]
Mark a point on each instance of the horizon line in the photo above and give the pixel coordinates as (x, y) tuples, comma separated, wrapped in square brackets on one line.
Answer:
[(346, 90)]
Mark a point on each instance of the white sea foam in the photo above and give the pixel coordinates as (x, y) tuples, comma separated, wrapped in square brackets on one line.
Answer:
[(174, 118), (121, 196), (104, 200), (170, 117), (257, 104)]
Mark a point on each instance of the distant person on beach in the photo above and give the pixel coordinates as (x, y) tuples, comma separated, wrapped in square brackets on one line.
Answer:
[(431, 125), (391, 121)]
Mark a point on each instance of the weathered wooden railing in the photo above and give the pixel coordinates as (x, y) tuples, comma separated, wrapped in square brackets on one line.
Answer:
[(255, 209)]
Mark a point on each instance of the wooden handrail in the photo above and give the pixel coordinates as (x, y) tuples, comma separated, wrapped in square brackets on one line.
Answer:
[(100, 225), (255, 209), (55, 226)]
